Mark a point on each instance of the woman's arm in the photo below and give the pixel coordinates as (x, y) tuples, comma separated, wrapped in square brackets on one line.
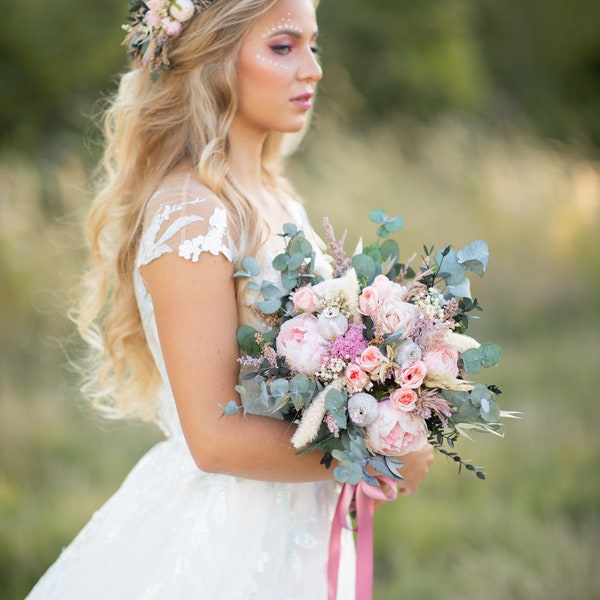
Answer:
[(196, 315)]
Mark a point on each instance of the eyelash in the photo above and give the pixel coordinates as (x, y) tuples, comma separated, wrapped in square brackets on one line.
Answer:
[(284, 49)]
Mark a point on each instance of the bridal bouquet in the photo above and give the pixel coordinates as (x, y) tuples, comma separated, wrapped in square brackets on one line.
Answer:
[(372, 362)]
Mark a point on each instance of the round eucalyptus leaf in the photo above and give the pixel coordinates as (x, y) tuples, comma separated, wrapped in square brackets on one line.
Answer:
[(251, 266), (296, 261), (268, 307), (378, 216), (471, 360), (364, 266), (491, 354), (489, 411), (394, 224), (475, 257), (280, 262), (279, 387), (299, 384), (290, 229)]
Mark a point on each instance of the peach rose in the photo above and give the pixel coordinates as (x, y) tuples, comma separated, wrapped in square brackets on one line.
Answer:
[(413, 375), (442, 358), (369, 300), (371, 359), (299, 341), (356, 378), (395, 432), (304, 299), (404, 398)]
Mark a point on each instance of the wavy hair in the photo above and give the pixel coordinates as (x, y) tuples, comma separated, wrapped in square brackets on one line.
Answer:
[(150, 128)]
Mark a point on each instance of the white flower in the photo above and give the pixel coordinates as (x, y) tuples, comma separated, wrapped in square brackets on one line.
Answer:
[(182, 10), (313, 417), (332, 323), (329, 290), (460, 341), (362, 409)]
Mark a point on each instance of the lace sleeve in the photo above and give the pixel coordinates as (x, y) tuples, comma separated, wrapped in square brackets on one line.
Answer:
[(181, 218)]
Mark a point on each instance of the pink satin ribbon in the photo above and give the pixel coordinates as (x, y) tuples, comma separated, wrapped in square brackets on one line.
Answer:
[(364, 496)]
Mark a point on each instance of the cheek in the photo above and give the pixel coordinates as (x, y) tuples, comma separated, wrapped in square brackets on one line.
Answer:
[(270, 63)]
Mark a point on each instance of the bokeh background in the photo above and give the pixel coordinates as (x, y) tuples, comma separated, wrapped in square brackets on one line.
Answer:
[(470, 119)]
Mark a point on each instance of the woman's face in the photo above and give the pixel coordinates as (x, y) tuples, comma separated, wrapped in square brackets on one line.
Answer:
[(278, 69)]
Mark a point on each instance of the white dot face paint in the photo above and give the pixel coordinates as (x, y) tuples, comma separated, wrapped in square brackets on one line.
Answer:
[(273, 63), (278, 70), (285, 24)]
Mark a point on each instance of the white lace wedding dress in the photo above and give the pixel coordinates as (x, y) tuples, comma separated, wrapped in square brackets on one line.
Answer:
[(172, 532)]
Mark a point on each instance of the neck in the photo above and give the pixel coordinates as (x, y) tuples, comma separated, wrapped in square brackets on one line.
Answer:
[(245, 151)]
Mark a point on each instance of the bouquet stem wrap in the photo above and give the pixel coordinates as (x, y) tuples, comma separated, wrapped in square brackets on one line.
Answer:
[(364, 496)]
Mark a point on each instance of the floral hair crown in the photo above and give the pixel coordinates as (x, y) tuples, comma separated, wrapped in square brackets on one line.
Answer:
[(152, 24)]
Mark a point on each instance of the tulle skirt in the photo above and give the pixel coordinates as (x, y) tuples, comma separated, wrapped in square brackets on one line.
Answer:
[(172, 532)]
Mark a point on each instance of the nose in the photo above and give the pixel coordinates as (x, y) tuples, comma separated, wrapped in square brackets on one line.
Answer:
[(310, 68)]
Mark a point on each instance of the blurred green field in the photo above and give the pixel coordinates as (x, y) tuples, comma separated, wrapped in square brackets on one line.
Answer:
[(530, 531)]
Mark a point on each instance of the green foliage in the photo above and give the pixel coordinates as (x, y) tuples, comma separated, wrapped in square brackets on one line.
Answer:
[(533, 62)]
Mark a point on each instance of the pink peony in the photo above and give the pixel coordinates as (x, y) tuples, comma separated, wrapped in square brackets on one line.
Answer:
[(395, 432), (413, 375), (304, 299), (404, 398), (299, 341), (356, 378), (442, 358)]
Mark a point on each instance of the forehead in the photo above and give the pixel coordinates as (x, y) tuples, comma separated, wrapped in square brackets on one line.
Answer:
[(289, 14)]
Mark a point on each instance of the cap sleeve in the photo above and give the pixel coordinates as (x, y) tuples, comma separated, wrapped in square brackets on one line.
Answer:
[(185, 219)]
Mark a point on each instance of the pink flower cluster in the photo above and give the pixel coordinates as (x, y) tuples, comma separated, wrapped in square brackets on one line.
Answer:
[(169, 15), (387, 381)]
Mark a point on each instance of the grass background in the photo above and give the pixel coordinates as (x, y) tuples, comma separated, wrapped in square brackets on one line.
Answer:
[(530, 531)]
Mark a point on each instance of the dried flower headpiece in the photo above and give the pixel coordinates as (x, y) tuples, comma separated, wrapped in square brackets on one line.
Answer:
[(152, 23)]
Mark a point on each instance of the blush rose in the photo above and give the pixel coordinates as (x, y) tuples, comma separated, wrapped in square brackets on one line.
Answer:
[(442, 358), (413, 375), (304, 299), (395, 314)]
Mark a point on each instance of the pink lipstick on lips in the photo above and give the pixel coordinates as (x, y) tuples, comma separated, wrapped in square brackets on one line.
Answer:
[(303, 101)]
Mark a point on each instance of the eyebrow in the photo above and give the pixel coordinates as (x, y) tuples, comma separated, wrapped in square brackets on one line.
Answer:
[(292, 33)]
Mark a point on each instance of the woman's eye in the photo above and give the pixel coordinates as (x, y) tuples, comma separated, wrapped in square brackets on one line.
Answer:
[(281, 48), (315, 50)]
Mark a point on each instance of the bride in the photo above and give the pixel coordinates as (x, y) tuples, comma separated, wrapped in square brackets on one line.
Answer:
[(224, 508)]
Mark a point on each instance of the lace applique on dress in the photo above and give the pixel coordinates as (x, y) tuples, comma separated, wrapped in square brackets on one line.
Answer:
[(158, 239), (211, 242)]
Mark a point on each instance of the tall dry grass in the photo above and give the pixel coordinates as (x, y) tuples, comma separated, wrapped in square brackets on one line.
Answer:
[(530, 531)]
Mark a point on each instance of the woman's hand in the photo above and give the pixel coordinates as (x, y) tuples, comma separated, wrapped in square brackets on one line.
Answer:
[(416, 466)]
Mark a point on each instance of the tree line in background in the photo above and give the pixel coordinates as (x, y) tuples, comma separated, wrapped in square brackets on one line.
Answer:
[(535, 64)]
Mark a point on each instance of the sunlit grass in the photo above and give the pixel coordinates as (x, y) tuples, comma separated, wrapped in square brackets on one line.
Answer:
[(530, 531)]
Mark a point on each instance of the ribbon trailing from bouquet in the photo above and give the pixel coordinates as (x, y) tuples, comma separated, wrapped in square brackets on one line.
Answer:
[(364, 497)]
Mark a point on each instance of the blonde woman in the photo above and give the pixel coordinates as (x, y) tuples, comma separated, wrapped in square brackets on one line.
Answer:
[(223, 509)]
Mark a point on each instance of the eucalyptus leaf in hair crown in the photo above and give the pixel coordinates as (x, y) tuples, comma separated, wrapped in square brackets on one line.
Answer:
[(152, 25)]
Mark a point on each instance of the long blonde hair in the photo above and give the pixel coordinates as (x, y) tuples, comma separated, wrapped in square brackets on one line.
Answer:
[(150, 128)]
